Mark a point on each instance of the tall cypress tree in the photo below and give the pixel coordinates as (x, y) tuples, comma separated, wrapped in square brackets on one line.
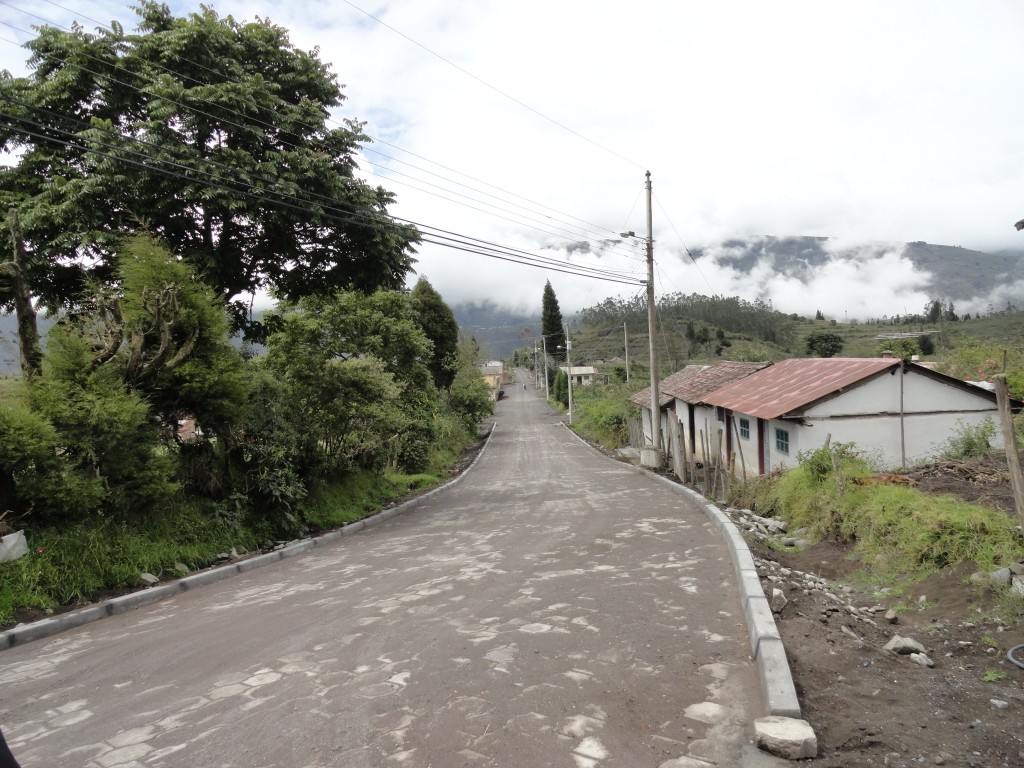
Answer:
[(438, 322), (551, 323)]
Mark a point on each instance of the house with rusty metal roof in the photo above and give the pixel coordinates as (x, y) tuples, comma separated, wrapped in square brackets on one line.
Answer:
[(688, 399), (897, 413), (643, 399)]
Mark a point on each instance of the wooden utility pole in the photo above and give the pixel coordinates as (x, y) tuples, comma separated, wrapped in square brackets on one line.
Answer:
[(651, 325), (625, 341), (568, 369), (1010, 441)]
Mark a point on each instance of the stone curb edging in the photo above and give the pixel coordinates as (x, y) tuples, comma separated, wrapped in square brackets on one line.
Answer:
[(21, 634), (777, 687)]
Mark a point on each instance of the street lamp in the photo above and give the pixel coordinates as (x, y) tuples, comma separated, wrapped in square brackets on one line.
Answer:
[(655, 459)]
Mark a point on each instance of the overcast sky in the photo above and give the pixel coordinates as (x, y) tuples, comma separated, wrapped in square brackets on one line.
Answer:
[(880, 122)]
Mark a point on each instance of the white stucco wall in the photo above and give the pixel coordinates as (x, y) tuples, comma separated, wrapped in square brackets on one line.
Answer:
[(645, 421), (868, 416), (921, 394)]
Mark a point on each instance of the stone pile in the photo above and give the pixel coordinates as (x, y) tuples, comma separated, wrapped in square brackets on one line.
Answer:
[(778, 578), (765, 528), (1011, 577)]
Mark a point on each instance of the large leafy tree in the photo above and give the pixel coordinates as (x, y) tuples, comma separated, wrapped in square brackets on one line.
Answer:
[(209, 132), (437, 321), (551, 323), (361, 392)]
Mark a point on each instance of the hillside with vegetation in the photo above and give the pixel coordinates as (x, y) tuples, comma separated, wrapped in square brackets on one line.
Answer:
[(697, 329)]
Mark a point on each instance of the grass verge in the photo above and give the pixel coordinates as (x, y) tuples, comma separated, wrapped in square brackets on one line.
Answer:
[(898, 532), (91, 559)]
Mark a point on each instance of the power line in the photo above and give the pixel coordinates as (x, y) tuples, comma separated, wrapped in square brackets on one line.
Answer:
[(254, 119), (434, 235), (494, 88), (671, 224)]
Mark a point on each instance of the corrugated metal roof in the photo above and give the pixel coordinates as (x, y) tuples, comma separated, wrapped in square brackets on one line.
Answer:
[(791, 384), (643, 397), (694, 387)]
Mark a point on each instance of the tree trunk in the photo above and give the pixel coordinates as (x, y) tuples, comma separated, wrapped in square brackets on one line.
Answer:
[(28, 331)]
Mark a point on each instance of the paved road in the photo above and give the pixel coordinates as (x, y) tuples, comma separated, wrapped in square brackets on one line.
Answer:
[(555, 608)]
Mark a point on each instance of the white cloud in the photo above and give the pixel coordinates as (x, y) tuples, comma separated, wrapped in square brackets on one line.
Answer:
[(870, 121)]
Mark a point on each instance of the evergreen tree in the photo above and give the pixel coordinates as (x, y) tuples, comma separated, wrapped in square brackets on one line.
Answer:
[(437, 321), (551, 323)]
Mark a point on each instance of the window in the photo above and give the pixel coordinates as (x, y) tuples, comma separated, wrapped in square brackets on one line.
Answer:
[(782, 441), (745, 429)]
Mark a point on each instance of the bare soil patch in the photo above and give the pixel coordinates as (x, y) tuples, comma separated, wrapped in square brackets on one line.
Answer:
[(871, 707)]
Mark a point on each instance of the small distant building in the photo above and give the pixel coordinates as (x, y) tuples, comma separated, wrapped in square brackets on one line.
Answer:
[(493, 372), (583, 375)]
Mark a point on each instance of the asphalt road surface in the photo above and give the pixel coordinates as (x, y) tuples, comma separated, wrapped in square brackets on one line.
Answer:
[(555, 608)]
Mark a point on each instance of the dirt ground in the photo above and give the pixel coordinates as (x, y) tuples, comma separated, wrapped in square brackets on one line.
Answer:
[(871, 707)]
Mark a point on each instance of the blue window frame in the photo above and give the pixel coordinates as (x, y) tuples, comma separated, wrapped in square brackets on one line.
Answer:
[(745, 429), (782, 440)]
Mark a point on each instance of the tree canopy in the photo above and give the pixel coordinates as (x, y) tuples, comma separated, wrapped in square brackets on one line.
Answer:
[(824, 344), (210, 133), (437, 321)]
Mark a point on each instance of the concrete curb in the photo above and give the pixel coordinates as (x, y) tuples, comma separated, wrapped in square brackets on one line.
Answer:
[(777, 688), (24, 633)]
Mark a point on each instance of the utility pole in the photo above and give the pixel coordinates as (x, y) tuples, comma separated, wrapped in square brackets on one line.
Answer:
[(625, 341), (651, 325), (544, 341), (568, 363), (653, 458)]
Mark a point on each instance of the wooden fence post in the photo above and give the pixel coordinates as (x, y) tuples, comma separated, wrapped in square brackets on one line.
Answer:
[(1010, 441)]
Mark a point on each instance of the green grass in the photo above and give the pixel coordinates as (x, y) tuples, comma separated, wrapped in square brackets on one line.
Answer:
[(81, 561), (601, 412), (357, 495), (75, 562), (898, 532)]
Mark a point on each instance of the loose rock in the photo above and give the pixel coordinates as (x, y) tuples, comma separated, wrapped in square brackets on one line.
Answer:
[(904, 645), (779, 601), (786, 737)]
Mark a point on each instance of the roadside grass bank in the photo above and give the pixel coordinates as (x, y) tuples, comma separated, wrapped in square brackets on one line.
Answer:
[(79, 563), (602, 412), (898, 534)]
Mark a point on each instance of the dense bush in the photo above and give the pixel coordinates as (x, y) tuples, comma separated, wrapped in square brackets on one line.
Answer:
[(602, 412), (342, 413), (970, 441)]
